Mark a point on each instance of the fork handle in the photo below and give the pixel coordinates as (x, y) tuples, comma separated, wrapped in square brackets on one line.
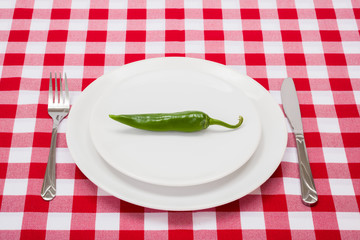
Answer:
[(48, 190)]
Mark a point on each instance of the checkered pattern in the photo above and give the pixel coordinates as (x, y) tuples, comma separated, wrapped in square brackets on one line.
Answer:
[(315, 42)]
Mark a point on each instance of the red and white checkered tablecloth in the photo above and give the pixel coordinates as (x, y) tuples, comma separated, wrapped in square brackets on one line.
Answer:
[(317, 43)]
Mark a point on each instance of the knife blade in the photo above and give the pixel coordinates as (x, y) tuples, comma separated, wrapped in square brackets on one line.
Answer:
[(292, 111)]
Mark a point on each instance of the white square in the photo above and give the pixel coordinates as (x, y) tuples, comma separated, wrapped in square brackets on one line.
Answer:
[(73, 72), (63, 155), (115, 48), (194, 47), (301, 220), (348, 220), (193, 4), (118, 4), (154, 47), (270, 24), (78, 24), (11, 220), (80, 4), (116, 25), (317, 71), (356, 95), (308, 24), (158, 4), (75, 47), (347, 24), (20, 155), (232, 25), (342, 187), (342, 4), (309, 4), (194, 24), (273, 47), (239, 68), (58, 221), (107, 221), (313, 47), (334, 155), (328, 125), (5, 24), (24, 125), (292, 186), (267, 4), (230, 4), (276, 95), (204, 220), (156, 221), (351, 47), (65, 187), (15, 186), (62, 127), (252, 220), (354, 71), (290, 155), (322, 97), (155, 24), (234, 47), (43, 4), (276, 71), (10, 4), (32, 72), (40, 24), (3, 46), (36, 47), (28, 97)]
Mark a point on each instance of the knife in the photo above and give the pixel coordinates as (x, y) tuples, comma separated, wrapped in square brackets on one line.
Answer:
[(292, 110)]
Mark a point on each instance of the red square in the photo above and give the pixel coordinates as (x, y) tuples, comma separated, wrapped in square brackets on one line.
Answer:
[(33, 234), (340, 84), (264, 82), (175, 35), (212, 13), (133, 57), (57, 35), (42, 139), (9, 84), (35, 203), (252, 35), (216, 57), (327, 234), (23, 13), (229, 207), (79, 174), (5, 139), (174, 13), (136, 13), (278, 173), (84, 204), (287, 13), (357, 13), (14, 59), (302, 84), (313, 139), (86, 82), (229, 234), (96, 36), (250, 13), (94, 60), (130, 208), (319, 170), (354, 169), (274, 203), (307, 111), (135, 36), (19, 35), (8, 111), (3, 168), (255, 59), (291, 36), (295, 59), (347, 111), (131, 234), (213, 35), (181, 234), (82, 234), (60, 13), (351, 139), (42, 111), (98, 13), (325, 13), (325, 204), (174, 54), (335, 59), (37, 170), (278, 234), (330, 36), (54, 59)]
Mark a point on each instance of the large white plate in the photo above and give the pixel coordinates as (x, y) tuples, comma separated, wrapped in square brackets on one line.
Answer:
[(175, 158), (229, 188)]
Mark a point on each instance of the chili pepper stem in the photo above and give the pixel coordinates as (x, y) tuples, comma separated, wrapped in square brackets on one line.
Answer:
[(224, 124)]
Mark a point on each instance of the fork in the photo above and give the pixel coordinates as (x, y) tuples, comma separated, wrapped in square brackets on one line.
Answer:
[(58, 108)]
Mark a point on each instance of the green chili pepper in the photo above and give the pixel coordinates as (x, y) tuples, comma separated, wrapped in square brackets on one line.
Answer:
[(188, 121)]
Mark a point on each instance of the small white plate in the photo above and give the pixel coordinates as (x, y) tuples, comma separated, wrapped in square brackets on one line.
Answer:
[(175, 158), (229, 188)]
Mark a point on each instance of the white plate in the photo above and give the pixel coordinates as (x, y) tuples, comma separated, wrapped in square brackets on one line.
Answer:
[(229, 188), (174, 158)]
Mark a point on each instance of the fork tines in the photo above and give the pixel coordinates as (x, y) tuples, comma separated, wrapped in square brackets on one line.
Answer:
[(58, 97)]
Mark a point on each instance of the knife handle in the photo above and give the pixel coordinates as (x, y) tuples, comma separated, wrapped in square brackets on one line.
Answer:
[(308, 192)]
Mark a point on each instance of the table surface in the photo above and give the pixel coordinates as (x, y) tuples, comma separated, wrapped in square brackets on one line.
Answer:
[(316, 43)]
